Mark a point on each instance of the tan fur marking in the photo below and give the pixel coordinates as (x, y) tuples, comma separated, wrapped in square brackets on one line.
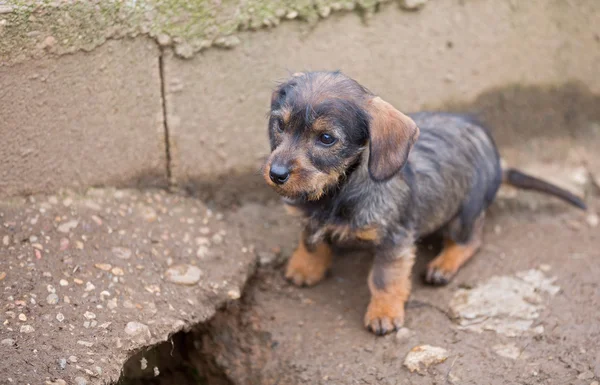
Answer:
[(308, 268), (451, 259), (386, 308), (345, 232), (286, 113), (453, 256)]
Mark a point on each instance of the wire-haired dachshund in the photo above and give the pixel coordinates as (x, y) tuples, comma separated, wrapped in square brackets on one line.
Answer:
[(365, 175)]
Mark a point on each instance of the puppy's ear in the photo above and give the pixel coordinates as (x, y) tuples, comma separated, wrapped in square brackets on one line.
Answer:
[(391, 137)]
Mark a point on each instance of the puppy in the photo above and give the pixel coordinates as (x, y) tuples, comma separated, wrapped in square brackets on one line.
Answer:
[(365, 175)]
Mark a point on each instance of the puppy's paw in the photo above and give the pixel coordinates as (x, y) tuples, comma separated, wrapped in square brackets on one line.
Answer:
[(438, 275), (384, 315), (305, 271)]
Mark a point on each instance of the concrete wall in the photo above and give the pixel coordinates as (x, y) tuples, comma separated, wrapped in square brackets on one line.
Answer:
[(97, 118)]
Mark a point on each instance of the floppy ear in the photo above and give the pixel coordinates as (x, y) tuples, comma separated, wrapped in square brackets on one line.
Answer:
[(391, 137)]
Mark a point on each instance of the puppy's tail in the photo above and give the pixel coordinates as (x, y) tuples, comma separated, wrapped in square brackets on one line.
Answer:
[(521, 180)]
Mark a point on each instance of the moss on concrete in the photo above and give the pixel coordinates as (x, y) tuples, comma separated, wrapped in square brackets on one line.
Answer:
[(32, 28)]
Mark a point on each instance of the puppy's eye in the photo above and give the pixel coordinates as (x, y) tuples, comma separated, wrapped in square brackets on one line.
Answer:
[(279, 125), (327, 139)]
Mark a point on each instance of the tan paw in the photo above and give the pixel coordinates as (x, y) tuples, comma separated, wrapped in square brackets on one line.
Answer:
[(304, 273), (384, 315)]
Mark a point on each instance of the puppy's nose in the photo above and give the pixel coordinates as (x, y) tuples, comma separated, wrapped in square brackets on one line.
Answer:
[(279, 174)]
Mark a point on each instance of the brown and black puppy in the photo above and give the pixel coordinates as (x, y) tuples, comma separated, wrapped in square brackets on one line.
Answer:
[(365, 175)]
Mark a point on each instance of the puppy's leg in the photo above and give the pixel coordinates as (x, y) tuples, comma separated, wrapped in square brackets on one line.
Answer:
[(456, 252), (309, 263), (389, 283)]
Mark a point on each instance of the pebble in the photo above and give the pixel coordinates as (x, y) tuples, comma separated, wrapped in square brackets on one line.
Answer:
[(89, 315), (137, 329), (60, 317), (103, 266), (52, 299), (8, 342), (183, 274), (22, 317), (592, 220), (112, 304), (507, 351), (85, 343), (78, 281), (121, 252), (6, 240), (64, 282), (403, 335), (412, 4), (2, 275), (80, 381), (68, 226), (89, 286), (423, 356), (266, 257), (72, 359), (234, 294), (62, 363), (587, 375), (27, 329), (117, 271)]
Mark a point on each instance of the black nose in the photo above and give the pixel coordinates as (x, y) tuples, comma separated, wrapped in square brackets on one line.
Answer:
[(279, 174)]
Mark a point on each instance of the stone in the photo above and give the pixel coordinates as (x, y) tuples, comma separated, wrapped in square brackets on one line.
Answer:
[(103, 266), (62, 363), (234, 294), (587, 375), (89, 315), (60, 317), (507, 351), (72, 359), (403, 335), (423, 356), (87, 344), (505, 304), (184, 274), (266, 257), (89, 287), (117, 271), (52, 299), (63, 282), (26, 329), (8, 342), (2, 275), (138, 330), (412, 4), (22, 317), (80, 381), (592, 220), (66, 227), (122, 252)]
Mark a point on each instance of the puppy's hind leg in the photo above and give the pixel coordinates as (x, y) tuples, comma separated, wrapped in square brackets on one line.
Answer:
[(461, 242)]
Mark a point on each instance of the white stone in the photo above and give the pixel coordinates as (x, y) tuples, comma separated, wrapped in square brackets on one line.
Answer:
[(184, 274), (504, 304), (423, 356)]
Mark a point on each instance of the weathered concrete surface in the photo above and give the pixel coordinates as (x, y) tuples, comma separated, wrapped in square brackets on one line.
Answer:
[(88, 280), (81, 120), (447, 51), (38, 28)]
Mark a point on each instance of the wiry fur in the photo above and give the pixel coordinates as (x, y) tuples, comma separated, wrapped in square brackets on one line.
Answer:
[(365, 193)]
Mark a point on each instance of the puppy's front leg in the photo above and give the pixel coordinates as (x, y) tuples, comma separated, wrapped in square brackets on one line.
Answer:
[(310, 261), (389, 283)]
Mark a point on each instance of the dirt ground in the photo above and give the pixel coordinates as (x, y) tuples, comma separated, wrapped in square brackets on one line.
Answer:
[(157, 287)]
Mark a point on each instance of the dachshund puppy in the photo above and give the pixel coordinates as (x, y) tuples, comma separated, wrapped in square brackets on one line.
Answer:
[(365, 175)]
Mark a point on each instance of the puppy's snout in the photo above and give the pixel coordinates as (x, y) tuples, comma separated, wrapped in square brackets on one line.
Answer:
[(279, 173)]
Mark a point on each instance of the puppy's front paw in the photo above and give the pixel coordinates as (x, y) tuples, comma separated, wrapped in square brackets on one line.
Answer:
[(307, 269), (438, 274), (384, 315)]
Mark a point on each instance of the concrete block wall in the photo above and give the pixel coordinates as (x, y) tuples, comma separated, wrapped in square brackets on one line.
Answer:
[(97, 118)]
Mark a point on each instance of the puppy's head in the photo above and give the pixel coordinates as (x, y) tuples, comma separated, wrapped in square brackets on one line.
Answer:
[(319, 125)]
